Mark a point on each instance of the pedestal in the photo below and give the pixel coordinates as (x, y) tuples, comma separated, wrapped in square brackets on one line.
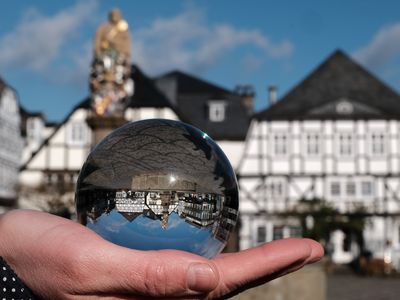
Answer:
[(102, 126)]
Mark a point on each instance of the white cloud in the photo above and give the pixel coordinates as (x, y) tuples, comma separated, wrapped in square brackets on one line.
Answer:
[(59, 44), (38, 40), (384, 47), (187, 41)]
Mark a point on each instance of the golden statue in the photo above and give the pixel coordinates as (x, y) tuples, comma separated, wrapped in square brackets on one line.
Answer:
[(110, 80), (113, 35)]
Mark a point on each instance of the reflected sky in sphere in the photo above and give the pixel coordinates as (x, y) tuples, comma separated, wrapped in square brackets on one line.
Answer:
[(159, 184)]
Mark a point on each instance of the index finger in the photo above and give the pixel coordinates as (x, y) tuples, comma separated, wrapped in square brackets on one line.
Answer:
[(258, 265)]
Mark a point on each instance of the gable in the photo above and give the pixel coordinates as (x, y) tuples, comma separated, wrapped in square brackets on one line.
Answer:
[(337, 77)]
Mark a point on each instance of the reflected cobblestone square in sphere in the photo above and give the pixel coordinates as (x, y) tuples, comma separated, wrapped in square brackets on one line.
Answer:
[(159, 184)]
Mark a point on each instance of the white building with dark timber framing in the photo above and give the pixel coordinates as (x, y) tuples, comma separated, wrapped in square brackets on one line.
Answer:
[(335, 136), (10, 146), (51, 170)]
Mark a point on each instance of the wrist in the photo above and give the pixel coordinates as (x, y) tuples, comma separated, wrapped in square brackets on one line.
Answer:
[(11, 286)]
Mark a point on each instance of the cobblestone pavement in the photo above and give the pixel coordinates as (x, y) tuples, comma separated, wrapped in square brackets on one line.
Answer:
[(351, 287)]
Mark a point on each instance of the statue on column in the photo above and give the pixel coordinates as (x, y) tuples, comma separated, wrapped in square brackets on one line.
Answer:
[(110, 81)]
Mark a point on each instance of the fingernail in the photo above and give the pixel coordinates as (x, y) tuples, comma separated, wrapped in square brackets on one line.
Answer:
[(201, 278), (292, 268), (314, 259)]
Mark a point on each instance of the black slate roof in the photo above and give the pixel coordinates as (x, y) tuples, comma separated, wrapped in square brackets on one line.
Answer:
[(189, 84), (191, 95), (145, 94), (339, 79)]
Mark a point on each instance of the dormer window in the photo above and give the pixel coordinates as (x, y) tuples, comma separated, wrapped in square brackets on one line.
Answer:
[(216, 111), (344, 108)]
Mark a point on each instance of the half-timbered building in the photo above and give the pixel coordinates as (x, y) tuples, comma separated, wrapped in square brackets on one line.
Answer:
[(34, 130), (51, 171), (334, 137), (10, 146)]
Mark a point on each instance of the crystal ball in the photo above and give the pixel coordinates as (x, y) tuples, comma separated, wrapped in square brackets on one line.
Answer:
[(159, 184)]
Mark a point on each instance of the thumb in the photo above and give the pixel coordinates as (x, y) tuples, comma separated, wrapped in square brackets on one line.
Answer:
[(164, 273)]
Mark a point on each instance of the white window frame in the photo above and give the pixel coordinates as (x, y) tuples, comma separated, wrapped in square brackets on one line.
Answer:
[(281, 230), (280, 144), (217, 110), (378, 144), (337, 182), (74, 138), (371, 192), (312, 144), (275, 188), (353, 184), (34, 129), (261, 239), (345, 141)]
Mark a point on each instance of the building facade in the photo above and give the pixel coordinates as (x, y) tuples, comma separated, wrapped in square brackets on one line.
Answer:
[(50, 173), (10, 146), (34, 130), (335, 137)]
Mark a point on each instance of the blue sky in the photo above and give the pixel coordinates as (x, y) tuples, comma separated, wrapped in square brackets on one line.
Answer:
[(45, 46)]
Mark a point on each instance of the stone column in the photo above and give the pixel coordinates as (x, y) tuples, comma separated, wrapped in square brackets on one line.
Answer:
[(101, 126)]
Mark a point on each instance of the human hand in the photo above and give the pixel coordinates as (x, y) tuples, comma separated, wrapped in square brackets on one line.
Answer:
[(60, 259)]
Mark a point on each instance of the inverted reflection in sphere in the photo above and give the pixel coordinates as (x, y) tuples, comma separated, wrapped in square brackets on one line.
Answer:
[(159, 184)]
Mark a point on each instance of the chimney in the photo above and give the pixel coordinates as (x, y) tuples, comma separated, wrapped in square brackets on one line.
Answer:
[(247, 93), (272, 94)]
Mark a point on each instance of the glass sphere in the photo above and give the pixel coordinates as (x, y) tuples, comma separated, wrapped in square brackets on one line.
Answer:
[(159, 184)]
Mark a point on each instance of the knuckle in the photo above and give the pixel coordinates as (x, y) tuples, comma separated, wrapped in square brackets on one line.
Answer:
[(158, 280), (155, 279)]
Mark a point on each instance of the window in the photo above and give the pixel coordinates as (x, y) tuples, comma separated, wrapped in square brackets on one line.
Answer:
[(261, 234), (344, 108), (280, 144), (278, 232), (335, 188), (275, 189), (295, 231), (350, 189), (9, 101), (216, 111), (312, 144), (377, 144), (345, 144), (366, 188), (77, 133), (34, 128)]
